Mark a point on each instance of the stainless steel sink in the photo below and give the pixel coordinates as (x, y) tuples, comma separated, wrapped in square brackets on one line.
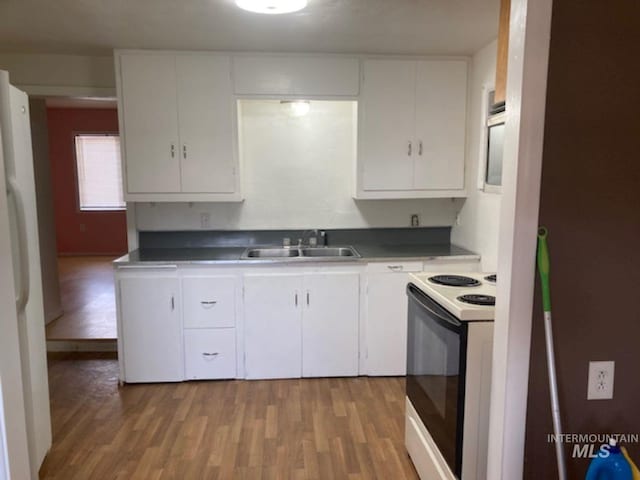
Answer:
[(308, 253), (329, 252), (271, 253)]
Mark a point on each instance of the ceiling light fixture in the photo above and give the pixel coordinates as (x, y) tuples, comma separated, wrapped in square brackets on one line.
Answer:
[(272, 7), (296, 108)]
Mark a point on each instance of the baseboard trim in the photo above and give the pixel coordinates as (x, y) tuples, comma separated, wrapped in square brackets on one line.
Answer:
[(82, 345)]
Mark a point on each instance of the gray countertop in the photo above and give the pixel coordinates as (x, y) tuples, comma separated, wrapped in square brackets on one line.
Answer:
[(231, 255)]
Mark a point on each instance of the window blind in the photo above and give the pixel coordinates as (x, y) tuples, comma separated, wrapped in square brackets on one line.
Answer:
[(99, 172)]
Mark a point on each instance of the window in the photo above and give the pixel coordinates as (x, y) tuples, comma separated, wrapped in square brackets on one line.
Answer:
[(99, 172)]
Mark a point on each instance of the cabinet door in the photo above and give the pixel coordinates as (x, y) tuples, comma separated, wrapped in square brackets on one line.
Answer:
[(330, 325), (150, 123), (272, 320), (386, 133), (209, 302), (386, 320), (441, 99), (151, 329), (206, 119)]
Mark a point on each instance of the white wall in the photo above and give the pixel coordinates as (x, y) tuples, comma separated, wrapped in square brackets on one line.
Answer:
[(297, 174), (65, 75), (46, 216), (478, 224)]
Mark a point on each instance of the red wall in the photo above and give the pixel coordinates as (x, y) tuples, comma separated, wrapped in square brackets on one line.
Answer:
[(80, 233)]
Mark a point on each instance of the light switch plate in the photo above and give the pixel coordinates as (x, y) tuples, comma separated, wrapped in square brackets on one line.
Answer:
[(600, 384)]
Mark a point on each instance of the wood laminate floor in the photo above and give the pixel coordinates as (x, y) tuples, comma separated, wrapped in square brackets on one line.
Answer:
[(88, 300), (340, 428)]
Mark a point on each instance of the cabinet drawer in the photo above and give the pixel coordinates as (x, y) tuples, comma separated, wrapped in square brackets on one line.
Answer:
[(390, 267), (210, 353), (452, 265), (209, 302)]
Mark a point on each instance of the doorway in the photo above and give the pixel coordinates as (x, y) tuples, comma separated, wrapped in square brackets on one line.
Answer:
[(81, 217)]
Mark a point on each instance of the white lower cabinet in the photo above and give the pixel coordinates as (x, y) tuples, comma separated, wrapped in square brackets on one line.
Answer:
[(151, 331), (386, 317), (301, 325), (210, 353), (186, 323), (330, 325), (385, 310), (273, 326)]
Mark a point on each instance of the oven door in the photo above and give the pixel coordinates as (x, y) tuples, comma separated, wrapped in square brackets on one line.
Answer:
[(436, 359)]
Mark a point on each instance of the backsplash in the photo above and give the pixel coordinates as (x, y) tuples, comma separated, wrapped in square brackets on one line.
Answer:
[(226, 238), (297, 174)]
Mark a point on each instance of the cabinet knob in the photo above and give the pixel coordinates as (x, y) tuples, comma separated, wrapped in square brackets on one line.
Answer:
[(184, 151), (409, 149), (420, 148), (173, 150)]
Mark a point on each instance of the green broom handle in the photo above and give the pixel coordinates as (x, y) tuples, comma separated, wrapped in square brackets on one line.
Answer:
[(543, 268)]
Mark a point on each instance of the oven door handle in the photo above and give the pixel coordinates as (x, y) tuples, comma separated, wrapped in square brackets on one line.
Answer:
[(425, 302)]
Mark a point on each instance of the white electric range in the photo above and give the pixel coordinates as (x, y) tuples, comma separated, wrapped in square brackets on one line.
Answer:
[(449, 351), (468, 296)]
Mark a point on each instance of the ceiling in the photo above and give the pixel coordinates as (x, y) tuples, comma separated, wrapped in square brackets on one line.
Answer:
[(95, 27)]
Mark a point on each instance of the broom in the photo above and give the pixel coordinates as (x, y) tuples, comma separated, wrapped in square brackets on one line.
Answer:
[(543, 268)]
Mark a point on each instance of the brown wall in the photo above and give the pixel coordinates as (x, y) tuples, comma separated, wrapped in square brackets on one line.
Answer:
[(590, 201)]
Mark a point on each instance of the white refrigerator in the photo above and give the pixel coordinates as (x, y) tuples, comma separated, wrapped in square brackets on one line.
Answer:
[(23, 325)]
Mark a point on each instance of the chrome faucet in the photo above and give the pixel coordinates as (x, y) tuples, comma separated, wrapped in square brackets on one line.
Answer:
[(312, 237)]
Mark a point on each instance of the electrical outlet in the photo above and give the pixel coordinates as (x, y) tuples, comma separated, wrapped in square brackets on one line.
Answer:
[(600, 380), (415, 220), (205, 220)]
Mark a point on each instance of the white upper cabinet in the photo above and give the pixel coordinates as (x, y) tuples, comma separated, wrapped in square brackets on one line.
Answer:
[(148, 96), (296, 75), (178, 126), (206, 113), (411, 137), (441, 101), (387, 125)]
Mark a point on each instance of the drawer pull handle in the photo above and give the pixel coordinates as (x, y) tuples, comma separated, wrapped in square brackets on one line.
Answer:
[(395, 268), (210, 355), (208, 304)]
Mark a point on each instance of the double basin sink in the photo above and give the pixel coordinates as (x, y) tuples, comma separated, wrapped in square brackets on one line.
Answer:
[(300, 253)]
